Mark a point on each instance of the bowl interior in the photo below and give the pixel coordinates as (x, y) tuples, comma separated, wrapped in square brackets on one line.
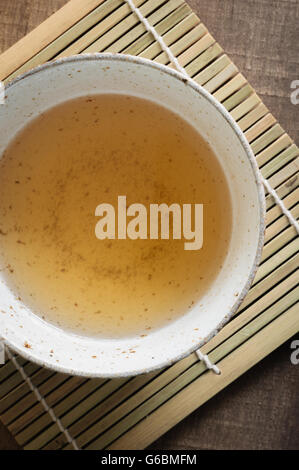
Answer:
[(69, 78)]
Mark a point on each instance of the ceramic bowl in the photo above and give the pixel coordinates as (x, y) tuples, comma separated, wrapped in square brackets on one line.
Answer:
[(55, 82)]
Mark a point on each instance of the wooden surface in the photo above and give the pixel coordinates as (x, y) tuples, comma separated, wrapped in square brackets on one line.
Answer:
[(261, 409)]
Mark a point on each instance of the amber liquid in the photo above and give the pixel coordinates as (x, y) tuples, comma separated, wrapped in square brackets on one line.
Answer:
[(86, 152)]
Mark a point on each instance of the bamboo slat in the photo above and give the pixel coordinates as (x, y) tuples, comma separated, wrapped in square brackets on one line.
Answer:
[(281, 160), (100, 29), (253, 116), (193, 66), (16, 403), (103, 407), (107, 403), (167, 385), (267, 138), (16, 379), (121, 27), (286, 173), (203, 389), (238, 97), (280, 224), (212, 70), (280, 144), (221, 77), (62, 41), (261, 126), (8, 369), (278, 242), (176, 18), (163, 19), (283, 190), (275, 211), (45, 34), (21, 394), (131, 413), (184, 33), (231, 87), (64, 397), (150, 405), (50, 431), (287, 251), (260, 288)]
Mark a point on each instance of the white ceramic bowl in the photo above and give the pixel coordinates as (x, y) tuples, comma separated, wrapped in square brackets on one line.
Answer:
[(58, 81)]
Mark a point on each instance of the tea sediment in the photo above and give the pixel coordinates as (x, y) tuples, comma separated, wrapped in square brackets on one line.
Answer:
[(89, 151)]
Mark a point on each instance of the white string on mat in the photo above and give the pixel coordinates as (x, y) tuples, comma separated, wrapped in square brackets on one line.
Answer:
[(41, 399), (205, 358), (158, 38), (175, 62), (280, 203)]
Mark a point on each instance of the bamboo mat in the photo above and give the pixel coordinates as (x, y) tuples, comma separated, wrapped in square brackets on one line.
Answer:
[(132, 413)]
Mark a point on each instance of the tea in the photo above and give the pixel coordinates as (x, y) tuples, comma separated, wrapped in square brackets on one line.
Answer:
[(90, 151)]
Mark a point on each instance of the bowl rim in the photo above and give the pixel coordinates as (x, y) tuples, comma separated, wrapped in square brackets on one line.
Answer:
[(261, 208)]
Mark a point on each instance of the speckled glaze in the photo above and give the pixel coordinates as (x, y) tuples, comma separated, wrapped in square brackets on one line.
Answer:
[(82, 75)]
